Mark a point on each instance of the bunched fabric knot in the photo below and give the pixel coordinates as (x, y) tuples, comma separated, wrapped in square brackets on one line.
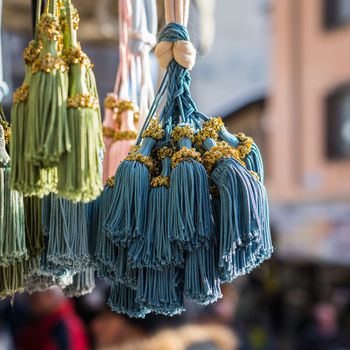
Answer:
[(174, 44)]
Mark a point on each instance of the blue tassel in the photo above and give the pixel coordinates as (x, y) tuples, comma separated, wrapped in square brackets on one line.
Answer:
[(123, 272), (126, 217), (156, 250), (123, 300), (68, 244), (202, 283), (191, 222), (161, 292), (241, 211), (105, 250)]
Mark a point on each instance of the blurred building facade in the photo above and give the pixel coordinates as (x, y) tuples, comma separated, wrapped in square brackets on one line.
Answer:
[(308, 133)]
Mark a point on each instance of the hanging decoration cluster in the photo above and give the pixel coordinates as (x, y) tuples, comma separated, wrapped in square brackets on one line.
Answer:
[(187, 209), (57, 132), (127, 107)]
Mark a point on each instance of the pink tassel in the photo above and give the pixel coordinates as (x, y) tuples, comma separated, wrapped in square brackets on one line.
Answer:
[(125, 140), (110, 127)]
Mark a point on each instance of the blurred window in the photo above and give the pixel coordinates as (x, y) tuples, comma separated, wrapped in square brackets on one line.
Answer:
[(336, 13), (338, 123)]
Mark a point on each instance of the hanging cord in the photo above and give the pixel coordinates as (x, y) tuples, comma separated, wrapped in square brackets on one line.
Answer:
[(142, 38), (4, 89)]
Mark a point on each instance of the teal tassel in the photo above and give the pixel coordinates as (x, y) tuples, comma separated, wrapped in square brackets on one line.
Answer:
[(161, 291), (202, 283), (123, 271), (155, 250), (105, 249), (68, 236), (123, 300), (47, 275), (190, 209), (12, 230), (83, 283), (242, 213), (126, 218)]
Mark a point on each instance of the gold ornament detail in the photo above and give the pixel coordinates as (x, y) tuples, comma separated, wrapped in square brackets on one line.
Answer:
[(146, 160), (82, 101), (49, 28), (180, 132), (21, 94), (185, 154), (76, 55), (160, 181), (205, 134), (154, 130), (110, 182), (245, 144), (221, 150), (49, 63), (108, 132), (31, 52), (127, 135), (214, 123), (125, 105), (165, 152), (111, 101)]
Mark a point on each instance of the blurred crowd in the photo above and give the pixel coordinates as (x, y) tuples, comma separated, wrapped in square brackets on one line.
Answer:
[(254, 314)]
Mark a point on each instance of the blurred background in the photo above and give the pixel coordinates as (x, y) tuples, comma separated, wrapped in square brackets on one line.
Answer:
[(278, 70)]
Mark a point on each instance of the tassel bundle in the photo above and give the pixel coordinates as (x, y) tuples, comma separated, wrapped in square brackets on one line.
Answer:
[(57, 131), (188, 205)]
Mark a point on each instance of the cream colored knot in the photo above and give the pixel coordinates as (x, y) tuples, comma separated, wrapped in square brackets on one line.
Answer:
[(182, 51)]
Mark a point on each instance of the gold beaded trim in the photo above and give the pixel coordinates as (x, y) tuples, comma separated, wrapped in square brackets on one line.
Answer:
[(165, 152), (221, 150), (160, 181), (75, 20), (82, 101), (111, 101), (185, 154), (49, 63), (124, 135), (21, 94), (255, 175), (245, 144), (146, 160), (205, 134), (7, 130), (76, 55), (214, 123), (108, 132), (180, 132), (31, 52), (125, 105), (49, 27), (154, 130), (110, 182)]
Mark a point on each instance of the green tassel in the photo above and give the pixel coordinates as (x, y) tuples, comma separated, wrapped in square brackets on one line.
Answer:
[(26, 177), (12, 234), (79, 171), (11, 279), (48, 136), (33, 226)]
